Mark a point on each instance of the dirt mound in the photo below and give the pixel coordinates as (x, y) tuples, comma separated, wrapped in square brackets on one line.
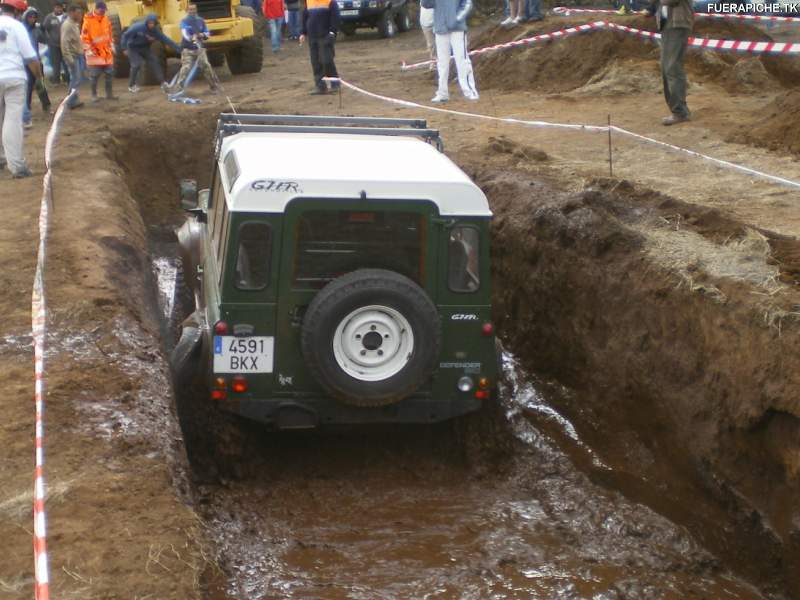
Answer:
[(579, 277), (622, 77), (778, 129), (589, 59)]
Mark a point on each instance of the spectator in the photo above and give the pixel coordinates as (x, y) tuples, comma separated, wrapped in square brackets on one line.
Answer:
[(16, 52), (515, 15), (72, 51), (533, 10), (293, 14), (450, 27), (52, 33), (674, 19), (193, 32), (273, 13), (136, 45), (320, 26), (30, 19), (426, 24), (98, 48)]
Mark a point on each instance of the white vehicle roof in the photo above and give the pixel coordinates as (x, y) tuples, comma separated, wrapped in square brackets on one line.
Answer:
[(275, 167)]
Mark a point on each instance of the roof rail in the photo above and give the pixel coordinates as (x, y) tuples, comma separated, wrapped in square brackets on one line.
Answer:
[(230, 124)]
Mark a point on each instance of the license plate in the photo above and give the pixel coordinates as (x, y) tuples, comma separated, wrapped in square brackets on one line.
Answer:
[(349, 13), (243, 354)]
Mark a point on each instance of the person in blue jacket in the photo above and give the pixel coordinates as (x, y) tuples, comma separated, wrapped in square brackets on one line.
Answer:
[(136, 45)]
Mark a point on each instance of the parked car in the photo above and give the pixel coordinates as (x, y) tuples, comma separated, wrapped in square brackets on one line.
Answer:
[(387, 16)]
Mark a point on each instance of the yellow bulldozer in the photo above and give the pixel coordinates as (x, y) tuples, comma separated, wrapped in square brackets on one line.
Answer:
[(236, 32)]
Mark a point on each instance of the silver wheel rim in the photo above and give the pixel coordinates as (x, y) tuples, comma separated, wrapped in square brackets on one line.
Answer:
[(373, 343)]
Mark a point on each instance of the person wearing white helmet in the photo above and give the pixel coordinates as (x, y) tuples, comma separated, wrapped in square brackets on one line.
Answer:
[(16, 52)]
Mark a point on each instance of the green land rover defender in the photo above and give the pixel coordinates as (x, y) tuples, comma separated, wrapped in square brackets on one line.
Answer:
[(340, 274)]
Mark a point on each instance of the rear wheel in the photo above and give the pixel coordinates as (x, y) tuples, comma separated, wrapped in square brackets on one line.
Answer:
[(122, 68), (371, 337), (386, 25), (248, 56), (404, 22)]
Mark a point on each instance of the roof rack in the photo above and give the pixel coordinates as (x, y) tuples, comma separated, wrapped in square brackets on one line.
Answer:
[(230, 124)]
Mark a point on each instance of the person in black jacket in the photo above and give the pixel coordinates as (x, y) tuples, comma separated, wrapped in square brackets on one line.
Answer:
[(51, 25), (136, 45), (320, 25)]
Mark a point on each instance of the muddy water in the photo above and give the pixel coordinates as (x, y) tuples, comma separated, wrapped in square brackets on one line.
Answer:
[(456, 510), (437, 512)]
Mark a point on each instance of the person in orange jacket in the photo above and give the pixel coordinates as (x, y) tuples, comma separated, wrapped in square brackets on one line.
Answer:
[(273, 12), (98, 47)]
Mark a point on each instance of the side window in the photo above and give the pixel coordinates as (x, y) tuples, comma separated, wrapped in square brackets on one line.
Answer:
[(218, 200), (253, 256), (463, 267), (231, 169)]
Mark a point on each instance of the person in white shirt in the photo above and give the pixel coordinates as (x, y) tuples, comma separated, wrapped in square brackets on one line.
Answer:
[(16, 51)]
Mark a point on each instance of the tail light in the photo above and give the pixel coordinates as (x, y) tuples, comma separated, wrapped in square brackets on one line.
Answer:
[(221, 328), (239, 384), (487, 329), (482, 394), (220, 391), (483, 383)]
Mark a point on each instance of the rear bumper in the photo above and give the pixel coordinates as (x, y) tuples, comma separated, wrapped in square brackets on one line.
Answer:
[(318, 412), (364, 14)]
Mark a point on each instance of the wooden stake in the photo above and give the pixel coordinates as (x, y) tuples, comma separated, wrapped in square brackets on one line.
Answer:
[(610, 157)]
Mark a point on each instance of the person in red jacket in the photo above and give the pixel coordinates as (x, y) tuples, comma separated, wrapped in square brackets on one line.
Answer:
[(273, 12)]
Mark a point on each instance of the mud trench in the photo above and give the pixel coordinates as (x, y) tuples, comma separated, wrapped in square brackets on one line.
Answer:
[(532, 497)]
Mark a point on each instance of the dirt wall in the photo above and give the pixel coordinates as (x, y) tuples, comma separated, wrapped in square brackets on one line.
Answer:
[(692, 380), (119, 524)]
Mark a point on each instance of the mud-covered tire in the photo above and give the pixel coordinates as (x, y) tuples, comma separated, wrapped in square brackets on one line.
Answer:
[(404, 22), (248, 56), (348, 30), (377, 309), (122, 68), (386, 25), (216, 59), (183, 303)]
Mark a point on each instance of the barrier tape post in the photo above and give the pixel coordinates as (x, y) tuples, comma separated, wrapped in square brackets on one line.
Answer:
[(591, 128), (39, 331)]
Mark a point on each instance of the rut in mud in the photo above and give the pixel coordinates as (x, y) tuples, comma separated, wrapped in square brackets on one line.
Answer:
[(514, 501)]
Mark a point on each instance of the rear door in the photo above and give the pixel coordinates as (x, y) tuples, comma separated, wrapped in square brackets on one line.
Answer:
[(249, 282), (324, 239)]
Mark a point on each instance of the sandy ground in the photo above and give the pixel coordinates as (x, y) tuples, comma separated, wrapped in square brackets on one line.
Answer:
[(120, 520)]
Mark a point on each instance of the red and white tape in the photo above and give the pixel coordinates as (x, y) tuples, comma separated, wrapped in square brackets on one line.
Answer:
[(591, 128), (695, 42), (567, 11), (39, 332), (510, 120)]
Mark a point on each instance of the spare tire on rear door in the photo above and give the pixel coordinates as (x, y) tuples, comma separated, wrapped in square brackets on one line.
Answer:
[(371, 337)]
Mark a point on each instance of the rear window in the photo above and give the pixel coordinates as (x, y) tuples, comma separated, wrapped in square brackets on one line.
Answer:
[(331, 243)]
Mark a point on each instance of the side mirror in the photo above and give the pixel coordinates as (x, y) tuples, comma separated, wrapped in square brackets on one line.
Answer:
[(189, 196)]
